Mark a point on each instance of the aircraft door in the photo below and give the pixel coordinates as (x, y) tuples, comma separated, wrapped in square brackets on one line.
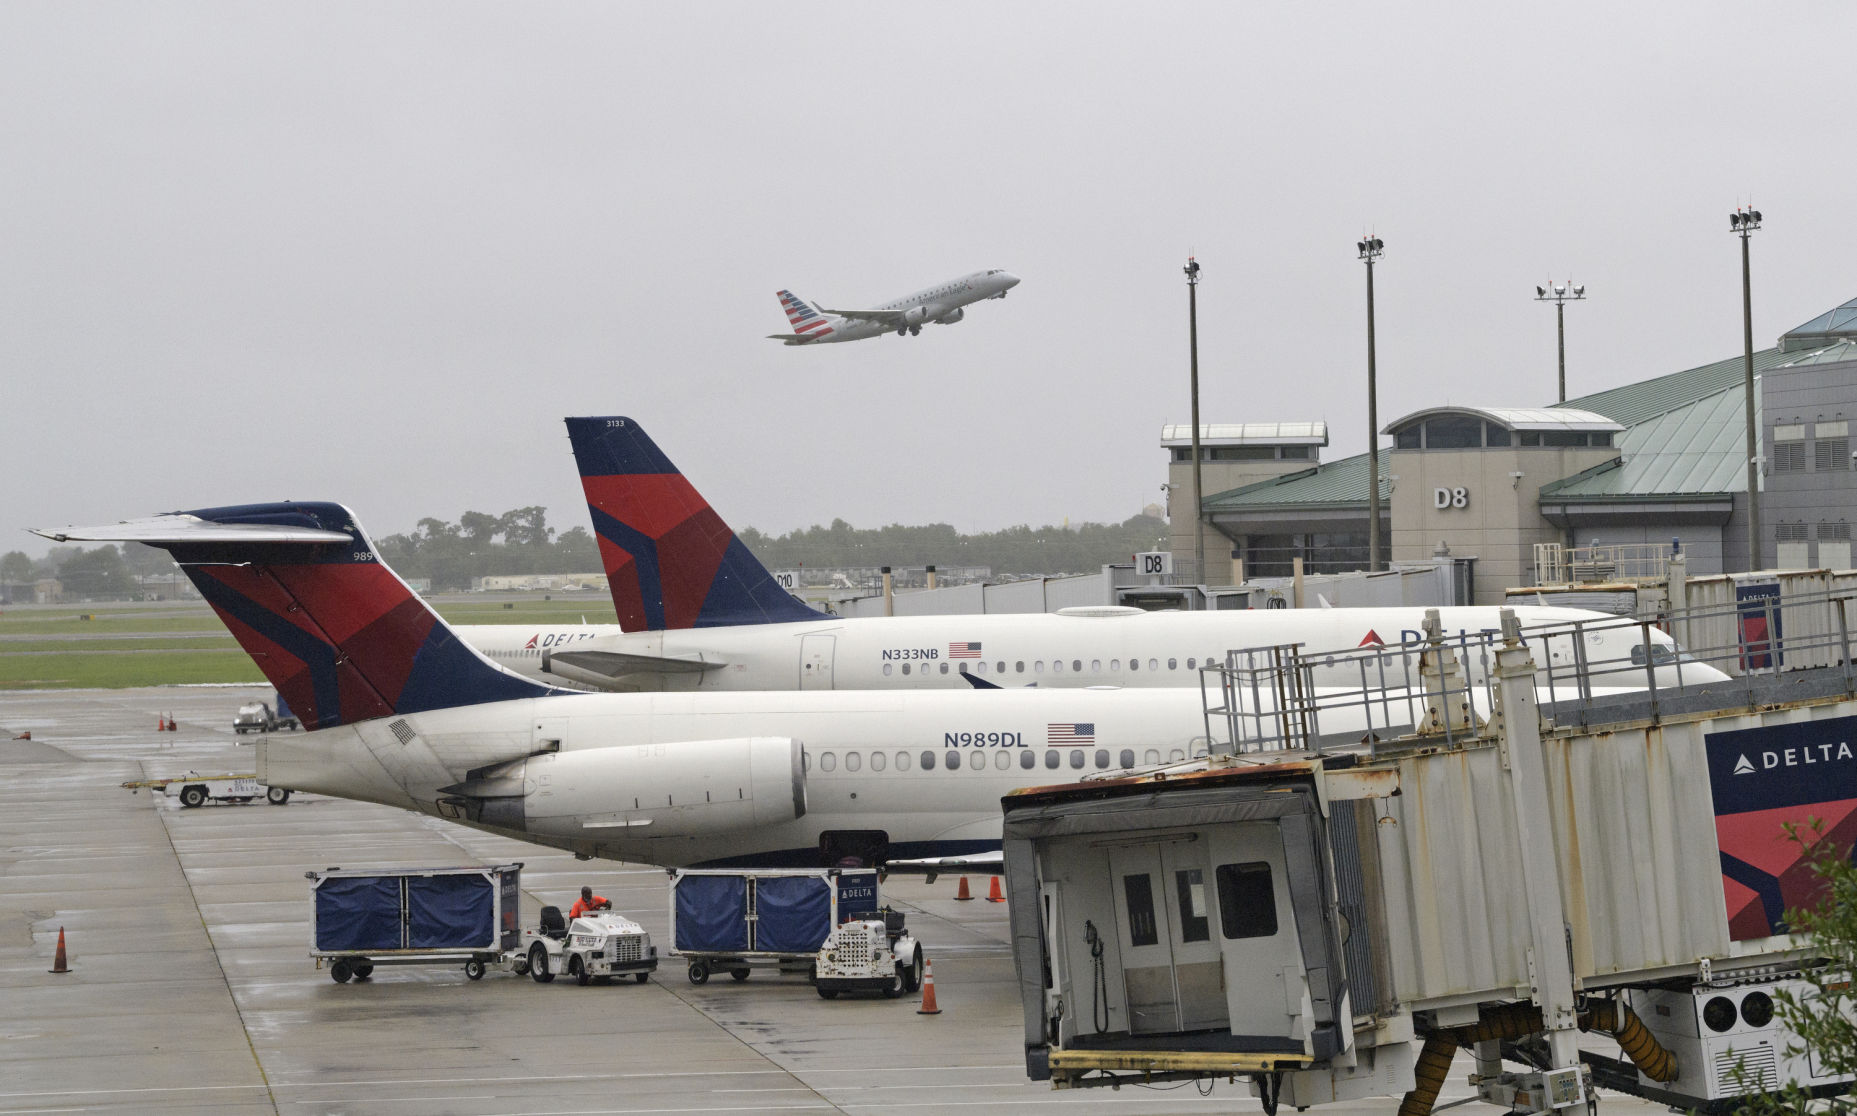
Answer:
[(816, 662)]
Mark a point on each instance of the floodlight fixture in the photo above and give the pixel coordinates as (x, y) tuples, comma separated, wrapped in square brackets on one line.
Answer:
[(1560, 294)]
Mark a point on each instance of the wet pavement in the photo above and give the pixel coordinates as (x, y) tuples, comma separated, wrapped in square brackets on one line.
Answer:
[(191, 988)]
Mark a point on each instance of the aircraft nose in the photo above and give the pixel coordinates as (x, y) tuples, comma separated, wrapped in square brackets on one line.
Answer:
[(1009, 279)]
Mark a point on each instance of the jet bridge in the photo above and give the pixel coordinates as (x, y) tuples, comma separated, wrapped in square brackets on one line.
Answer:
[(1586, 894)]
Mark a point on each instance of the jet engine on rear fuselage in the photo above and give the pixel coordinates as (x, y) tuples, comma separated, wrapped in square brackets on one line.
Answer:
[(686, 788)]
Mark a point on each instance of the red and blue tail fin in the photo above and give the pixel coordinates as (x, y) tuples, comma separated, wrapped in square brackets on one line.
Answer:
[(337, 632), (807, 320), (670, 560)]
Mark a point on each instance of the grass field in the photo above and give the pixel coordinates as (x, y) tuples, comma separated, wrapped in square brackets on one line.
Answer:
[(81, 671), (113, 645)]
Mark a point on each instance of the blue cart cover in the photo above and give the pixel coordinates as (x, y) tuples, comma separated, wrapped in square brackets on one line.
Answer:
[(358, 912), (794, 913), (451, 912), (712, 913)]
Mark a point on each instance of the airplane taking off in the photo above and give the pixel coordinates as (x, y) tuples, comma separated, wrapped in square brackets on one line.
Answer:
[(698, 611), (941, 304)]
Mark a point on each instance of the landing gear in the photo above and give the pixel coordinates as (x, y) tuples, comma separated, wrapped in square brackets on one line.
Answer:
[(915, 331)]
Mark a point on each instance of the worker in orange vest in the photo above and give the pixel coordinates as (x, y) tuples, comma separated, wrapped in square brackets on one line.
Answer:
[(589, 902)]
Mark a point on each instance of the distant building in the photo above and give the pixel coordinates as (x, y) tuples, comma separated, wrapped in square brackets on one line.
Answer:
[(1662, 461), (512, 583)]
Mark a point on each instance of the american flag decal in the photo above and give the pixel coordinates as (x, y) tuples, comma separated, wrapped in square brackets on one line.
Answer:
[(1082, 732), (964, 650)]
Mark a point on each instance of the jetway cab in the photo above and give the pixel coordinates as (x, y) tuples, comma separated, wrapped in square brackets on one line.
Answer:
[(1197, 925)]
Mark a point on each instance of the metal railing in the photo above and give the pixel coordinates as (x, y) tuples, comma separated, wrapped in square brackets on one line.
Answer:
[(1561, 565), (1282, 698)]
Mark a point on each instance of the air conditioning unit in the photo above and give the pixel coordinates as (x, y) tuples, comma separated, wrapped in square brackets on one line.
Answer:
[(1722, 1027)]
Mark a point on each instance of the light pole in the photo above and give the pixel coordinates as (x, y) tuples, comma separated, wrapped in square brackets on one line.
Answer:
[(1370, 250), (1742, 223), (1560, 294), (1192, 334)]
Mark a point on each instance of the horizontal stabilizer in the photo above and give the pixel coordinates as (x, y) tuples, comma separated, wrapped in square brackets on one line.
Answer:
[(183, 528), (789, 338), (982, 863)]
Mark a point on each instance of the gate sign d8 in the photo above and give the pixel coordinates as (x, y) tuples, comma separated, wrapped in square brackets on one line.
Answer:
[(1155, 562), (1442, 498)]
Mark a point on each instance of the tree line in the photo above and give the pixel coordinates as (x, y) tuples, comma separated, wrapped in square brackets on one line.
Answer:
[(520, 541)]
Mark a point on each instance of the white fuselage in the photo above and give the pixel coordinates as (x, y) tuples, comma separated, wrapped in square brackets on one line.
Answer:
[(930, 305), (1076, 648), (684, 779)]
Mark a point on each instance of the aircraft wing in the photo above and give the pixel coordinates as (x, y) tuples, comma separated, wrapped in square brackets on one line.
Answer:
[(890, 318), (980, 864), (617, 664)]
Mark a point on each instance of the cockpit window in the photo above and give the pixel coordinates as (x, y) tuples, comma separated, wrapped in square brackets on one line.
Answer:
[(1659, 654)]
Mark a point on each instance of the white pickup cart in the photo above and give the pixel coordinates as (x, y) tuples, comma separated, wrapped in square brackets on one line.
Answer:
[(598, 945), (195, 789)]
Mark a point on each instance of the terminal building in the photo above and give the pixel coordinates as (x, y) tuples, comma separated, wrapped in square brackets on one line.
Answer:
[(1661, 461)]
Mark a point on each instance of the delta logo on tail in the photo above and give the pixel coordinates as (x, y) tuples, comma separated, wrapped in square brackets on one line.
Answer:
[(670, 560)]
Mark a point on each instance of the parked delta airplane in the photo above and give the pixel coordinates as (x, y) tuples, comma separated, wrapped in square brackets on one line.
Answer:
[(698, 611), (403, 713), (941, 304)]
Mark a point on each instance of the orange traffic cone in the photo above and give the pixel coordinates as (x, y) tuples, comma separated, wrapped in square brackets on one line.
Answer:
[(173, 725), (994, 896), (929, 1007), (963, 893), (58, 963), (161, 722)]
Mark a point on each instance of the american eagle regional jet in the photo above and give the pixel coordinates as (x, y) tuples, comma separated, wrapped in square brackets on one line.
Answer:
[(941, 304)]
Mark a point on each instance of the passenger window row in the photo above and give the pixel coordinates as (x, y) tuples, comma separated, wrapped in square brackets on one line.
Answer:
[(1056, 666), (1077, 759)]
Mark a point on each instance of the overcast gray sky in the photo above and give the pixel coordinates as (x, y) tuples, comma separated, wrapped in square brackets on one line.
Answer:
[(374, 252)]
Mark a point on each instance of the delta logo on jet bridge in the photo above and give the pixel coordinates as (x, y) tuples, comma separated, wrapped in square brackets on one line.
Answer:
[(1761, 779)]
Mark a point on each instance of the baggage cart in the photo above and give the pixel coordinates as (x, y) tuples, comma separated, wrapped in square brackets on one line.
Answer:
[(364, 917), (791, 920)]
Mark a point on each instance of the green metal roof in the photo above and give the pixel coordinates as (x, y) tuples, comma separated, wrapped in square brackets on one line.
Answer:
[(1685, 439), (1696, 450), (1339, 483)]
